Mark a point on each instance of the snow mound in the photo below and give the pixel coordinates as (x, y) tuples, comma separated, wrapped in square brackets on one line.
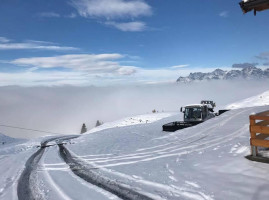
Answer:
[(6, 140), (258, 100), (129, 121)]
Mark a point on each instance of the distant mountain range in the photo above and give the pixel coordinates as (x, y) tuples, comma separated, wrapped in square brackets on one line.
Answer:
[(248, 73)]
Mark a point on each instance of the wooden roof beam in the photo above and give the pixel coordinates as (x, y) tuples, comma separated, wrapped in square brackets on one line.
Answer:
[(256, 5)]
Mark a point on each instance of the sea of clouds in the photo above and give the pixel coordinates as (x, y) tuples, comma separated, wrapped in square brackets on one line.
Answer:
[(64, 109)]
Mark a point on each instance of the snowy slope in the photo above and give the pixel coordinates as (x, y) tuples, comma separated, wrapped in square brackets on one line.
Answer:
[(5, 139), (203, 162), (130, 121), (13, 157), (258, 100)]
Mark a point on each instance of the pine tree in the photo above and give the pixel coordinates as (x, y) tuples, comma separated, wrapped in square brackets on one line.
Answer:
[(98, 123), (83, 129)]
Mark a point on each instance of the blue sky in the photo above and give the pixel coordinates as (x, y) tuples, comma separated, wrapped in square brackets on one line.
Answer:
[(104, 42)]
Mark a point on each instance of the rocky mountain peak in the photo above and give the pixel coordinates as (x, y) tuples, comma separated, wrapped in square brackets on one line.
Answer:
[(249, 72)]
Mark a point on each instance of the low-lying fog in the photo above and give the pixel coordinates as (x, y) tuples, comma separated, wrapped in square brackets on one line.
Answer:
[(64, 109)]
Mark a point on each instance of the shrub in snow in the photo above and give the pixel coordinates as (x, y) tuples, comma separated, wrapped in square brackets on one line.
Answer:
[(83, 129), (98, 123)]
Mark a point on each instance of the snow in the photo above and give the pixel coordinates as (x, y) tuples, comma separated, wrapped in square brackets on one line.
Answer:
[(12, 161), (203, 162), (247, 73), (129, 121), (257, 100), (197, 105), (6, 140)]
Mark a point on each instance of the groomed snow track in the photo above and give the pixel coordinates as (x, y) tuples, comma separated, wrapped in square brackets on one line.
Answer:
[(26, 190), (87, 173)]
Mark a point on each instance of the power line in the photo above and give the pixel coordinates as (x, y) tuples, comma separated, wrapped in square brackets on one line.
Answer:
[(28, 129)]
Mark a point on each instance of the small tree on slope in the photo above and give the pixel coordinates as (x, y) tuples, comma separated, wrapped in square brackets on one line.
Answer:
[(83, 129), (98, 123)]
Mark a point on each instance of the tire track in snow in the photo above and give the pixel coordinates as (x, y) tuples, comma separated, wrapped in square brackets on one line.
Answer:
[(154, 190), (178, 146), (177, 149), (188, 146), (199, 135), (58, 183), (184, 150), (86, 172), (27, 189)]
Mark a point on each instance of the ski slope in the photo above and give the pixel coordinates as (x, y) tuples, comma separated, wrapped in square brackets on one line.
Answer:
[(130, 121), (203, 162), (257, 100), (134, 159), (5, 140)]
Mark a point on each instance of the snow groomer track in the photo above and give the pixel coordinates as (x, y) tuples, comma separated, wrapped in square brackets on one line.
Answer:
[(143, 162), (88, 173), (26, 190)]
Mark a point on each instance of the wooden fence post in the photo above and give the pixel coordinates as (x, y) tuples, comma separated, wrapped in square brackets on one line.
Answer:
[(254, 149)]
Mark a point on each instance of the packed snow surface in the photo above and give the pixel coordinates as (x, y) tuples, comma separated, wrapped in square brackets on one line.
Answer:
[(204, 162), (258, 100), (129, 121), (4, 140)]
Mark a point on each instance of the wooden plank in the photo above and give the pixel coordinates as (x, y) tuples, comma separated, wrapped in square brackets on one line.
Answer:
[(259, 129), (252, 122), (258, 117), (262, 123), (263, 113), (251, 118), (260, 143), (262, 136), (253, 134)]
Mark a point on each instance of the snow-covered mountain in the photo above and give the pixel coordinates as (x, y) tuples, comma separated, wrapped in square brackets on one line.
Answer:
[(218, 74)]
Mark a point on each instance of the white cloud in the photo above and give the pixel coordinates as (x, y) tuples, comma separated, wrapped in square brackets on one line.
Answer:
[(56, 15), (162, 75), (90, 63), (102, 77), (33, 78), (72, 15), (5, 44), (178, 66), (224, 14), (263, 56), (91, 69), (39, 42), (112, 8), (4, 40), (126, 70), (23, 45), (49, 14), (128, 26)]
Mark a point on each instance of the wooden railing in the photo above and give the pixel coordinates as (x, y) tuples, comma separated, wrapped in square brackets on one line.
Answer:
[(259, 131)]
